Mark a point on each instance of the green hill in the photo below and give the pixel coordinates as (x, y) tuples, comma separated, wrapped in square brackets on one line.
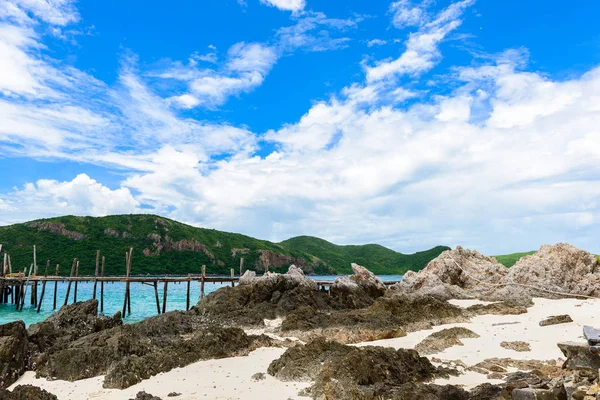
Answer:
[(508, 260), (378, 259), (164, 246)]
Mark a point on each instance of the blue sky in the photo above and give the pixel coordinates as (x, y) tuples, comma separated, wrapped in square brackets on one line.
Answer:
[(405, 123)]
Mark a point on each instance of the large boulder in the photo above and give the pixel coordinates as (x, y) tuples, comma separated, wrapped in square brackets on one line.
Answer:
[(357, 290), (560, 268), (27, 392), (458, 273), (13, 352)]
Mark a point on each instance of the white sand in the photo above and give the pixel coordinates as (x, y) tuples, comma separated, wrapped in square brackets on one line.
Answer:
[(230, 378)]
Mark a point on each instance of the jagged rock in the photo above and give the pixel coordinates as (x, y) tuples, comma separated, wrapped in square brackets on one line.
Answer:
[(27, 392), (441, 340), (556, 319), (341, 371), (13, 352), (357, 290), (500, 308), (516, 346), (539, 394), (145, 396), (579, 356), (248, 277), (68, 324), (453, 274), (213, 342)]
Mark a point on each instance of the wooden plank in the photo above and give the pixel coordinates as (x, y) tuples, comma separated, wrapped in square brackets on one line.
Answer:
[(156, 295), (164, 308)]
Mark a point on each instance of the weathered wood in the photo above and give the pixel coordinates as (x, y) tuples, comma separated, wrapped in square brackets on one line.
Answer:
[(96, 274), (187, 297), (164, 308), (34, 261), (202, 282), (55, 287), (41, 297), (9, 265), (156, 295), (76, 282), (102, 288), (241, 266), (69, 284), (126, 284)]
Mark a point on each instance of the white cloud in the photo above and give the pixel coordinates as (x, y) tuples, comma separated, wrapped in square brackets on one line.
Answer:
[(81, 196), (421, 51), (406, 14), (376, 42), (55, 12), (286, 5)]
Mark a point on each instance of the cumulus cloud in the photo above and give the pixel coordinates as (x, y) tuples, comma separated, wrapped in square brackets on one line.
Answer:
[(405, 13), (286, 5), (81, 196), (376, 42)]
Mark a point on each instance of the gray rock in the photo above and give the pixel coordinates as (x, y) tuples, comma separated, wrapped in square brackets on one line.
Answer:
[(13, 352), (579, 356), (556, 319)]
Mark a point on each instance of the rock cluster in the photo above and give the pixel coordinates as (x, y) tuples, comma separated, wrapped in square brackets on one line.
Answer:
[(553, 271)]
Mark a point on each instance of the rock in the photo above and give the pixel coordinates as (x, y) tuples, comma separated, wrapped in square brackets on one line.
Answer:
[(173, 394), (13, 352), (27, 392), (500, 308), (516, 346), (538, 394), (441, 340), (358, 290), (556, 319), (259, 376), (248, 277), (341, 371), (145, 396), (453, 274), (579, 356)]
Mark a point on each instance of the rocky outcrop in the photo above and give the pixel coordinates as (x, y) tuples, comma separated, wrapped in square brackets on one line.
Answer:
[(57, 229), (554, 271), (68, 324), (27, 392), (516, 346), (455, 273), (441, 340), (556, 319), (359, 289), (13, 352)]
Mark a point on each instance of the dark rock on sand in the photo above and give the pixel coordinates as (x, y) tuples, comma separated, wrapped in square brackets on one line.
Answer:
[(556, 319), (68, 324), (26, 392), (145, 396), (516, 346), (259, 376), (13, 352), (213, 342), (441, 340)]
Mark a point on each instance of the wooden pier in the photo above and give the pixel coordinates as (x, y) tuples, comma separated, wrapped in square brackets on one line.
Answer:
[(14, 285)]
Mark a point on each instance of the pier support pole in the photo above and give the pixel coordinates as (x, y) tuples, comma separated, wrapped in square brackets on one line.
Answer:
[(164, 308), (102, 288), (69, 285), (76, 282), (241, 266), (2, 274), (187, 298), (127, 300), (96, 273), (202, 281), (156, 295), (55, 287)]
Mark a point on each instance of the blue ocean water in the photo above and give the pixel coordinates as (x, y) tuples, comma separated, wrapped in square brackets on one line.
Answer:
[(143, 301)]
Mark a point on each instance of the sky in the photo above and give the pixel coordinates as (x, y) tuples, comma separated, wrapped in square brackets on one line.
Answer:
[(405, 123)]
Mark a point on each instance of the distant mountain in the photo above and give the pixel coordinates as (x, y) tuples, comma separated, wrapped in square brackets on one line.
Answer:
[(163, 246), (378, 259)]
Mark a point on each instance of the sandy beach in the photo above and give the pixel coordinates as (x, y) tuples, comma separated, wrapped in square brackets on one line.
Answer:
[(231, 378)]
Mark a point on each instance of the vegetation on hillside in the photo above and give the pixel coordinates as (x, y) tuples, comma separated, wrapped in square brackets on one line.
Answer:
[(508, 260), (378, 259), (163, 246)]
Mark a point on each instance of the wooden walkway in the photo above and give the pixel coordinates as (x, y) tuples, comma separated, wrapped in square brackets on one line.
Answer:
[(14, 286)]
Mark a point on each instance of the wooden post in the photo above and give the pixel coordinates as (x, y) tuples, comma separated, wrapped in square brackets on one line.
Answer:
[(187, 298), (232, 277), (55, 287), (35, 270), (102, 288), (202, 281), (2, 274), (164, 309), (76, 282), (69, 284), (156, 295), (96, 274), (127, 300), (241, 266), (41, 296), (9, 265)]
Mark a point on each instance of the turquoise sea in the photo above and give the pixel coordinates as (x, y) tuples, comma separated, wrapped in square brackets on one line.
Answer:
[(143, 301)]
